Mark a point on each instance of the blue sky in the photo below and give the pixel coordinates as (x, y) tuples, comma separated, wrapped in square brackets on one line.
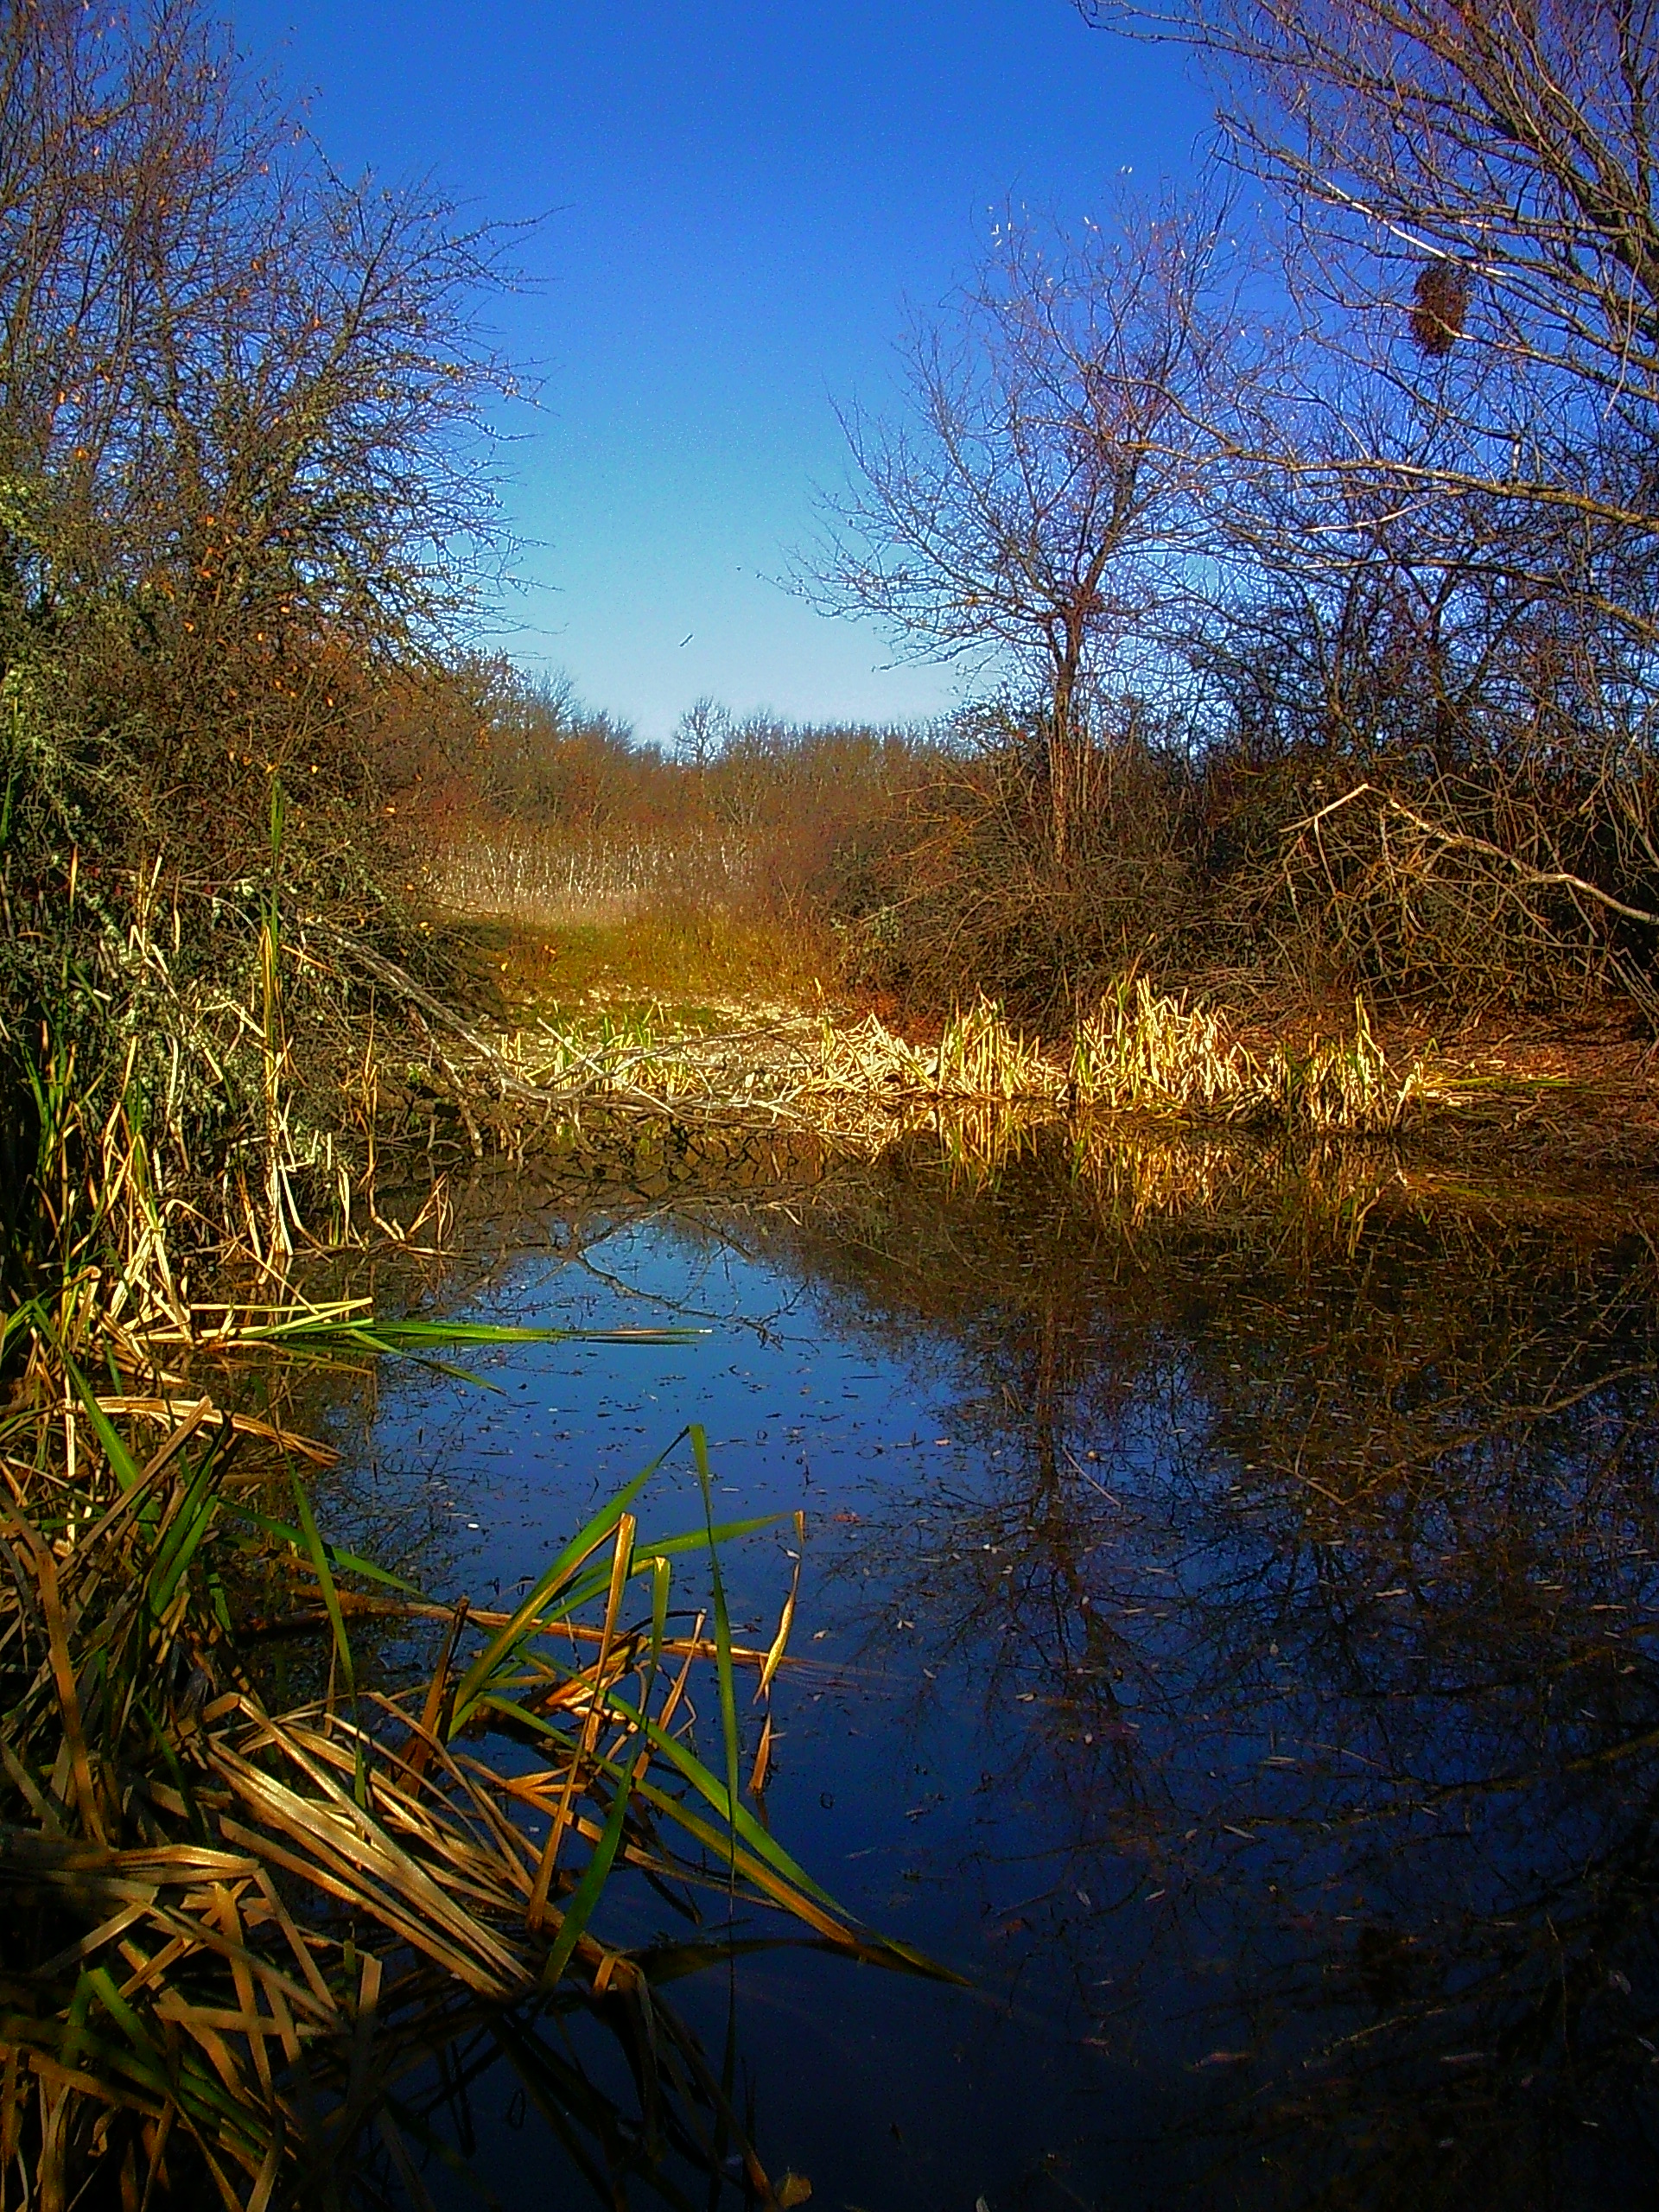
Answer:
[(742, 200)]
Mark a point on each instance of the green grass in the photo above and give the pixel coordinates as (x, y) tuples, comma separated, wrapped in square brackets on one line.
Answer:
[(703, 961)]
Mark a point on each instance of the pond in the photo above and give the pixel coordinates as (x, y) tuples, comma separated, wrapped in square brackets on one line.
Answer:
[(1225, 1639)]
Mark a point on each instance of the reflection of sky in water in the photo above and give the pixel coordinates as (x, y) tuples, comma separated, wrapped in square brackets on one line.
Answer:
[(1279, 1832)]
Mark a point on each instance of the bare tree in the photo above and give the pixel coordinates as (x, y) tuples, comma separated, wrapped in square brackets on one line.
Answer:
[(244, 411), (243, 414), (1498, 148), (1049, 489), (1468, 192), (1471, 186)]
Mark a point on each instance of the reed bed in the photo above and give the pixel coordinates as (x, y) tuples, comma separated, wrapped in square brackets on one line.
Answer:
[(1140, 1051), (546, 882), (1137, 1052), (235, 1935), (297, 1135)]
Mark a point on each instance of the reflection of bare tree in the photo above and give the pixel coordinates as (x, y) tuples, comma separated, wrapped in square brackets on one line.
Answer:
[(1328, 1566)]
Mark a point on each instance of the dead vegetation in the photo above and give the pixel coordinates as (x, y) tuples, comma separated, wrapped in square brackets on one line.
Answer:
[(1138, 1052)]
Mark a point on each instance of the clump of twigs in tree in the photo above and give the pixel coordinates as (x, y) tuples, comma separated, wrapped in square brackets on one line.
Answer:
[(1439, 307)]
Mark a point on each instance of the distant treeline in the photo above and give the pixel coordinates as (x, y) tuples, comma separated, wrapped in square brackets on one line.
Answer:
[(548, 808)]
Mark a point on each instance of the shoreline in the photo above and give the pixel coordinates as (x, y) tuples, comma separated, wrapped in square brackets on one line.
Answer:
[(1578, 1101)]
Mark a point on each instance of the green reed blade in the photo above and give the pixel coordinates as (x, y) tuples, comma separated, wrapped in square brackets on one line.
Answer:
[(190, 1528), (343, 1562), (721, 1532), (718, 1794), (722, 1617), (414, 1331), (594, 1584), (579, 1907), (319, 1557), (507, 1639), (666, 1962), (126, 1467)]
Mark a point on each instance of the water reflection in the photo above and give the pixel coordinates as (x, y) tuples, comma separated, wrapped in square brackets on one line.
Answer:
[(1258, 1699), (1323, 1565)]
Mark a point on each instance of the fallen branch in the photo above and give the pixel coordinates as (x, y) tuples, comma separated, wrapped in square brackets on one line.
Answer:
[(1462, 841)]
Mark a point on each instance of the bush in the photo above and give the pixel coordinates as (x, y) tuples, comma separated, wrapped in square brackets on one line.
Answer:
[(240, 505)]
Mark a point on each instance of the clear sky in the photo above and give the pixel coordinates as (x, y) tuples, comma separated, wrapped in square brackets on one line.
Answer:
[(742, 197)]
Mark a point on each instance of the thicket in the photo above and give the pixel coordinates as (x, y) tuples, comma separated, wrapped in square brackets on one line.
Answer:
[(1311, 554), (241, 501)]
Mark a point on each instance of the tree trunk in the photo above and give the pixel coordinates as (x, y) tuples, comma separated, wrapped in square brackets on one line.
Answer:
[(1062, 744)]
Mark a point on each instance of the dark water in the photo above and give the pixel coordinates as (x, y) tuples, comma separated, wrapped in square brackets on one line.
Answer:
[(1227, 1638)]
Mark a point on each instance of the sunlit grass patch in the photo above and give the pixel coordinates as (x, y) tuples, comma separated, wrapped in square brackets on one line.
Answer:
[(1137, 1053), (545, 881), (1140, 1051), (1344, 1082), (682, 954), (981, 1055)]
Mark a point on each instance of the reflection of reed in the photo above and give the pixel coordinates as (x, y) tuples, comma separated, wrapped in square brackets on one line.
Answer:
[(1122, 1172), (1139, 1175)]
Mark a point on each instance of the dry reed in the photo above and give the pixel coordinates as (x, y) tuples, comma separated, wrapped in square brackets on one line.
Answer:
[(233, 1933), (1137, 1052), (545, 881)]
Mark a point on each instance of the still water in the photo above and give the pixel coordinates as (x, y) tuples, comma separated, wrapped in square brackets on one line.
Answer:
[(1226, 1639)]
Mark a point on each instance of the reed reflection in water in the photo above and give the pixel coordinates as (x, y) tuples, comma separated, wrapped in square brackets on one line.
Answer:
[(1256, 1699)]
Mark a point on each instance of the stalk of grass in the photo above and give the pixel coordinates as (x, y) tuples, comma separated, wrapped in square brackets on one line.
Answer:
[(980, 1056), (1139, 1052), (1344, 1083)]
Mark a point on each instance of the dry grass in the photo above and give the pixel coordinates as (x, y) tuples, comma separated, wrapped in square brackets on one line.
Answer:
[(1140, 1053), (982, 1056), (1137, 1053), (545, 881), (1143, 1052)]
